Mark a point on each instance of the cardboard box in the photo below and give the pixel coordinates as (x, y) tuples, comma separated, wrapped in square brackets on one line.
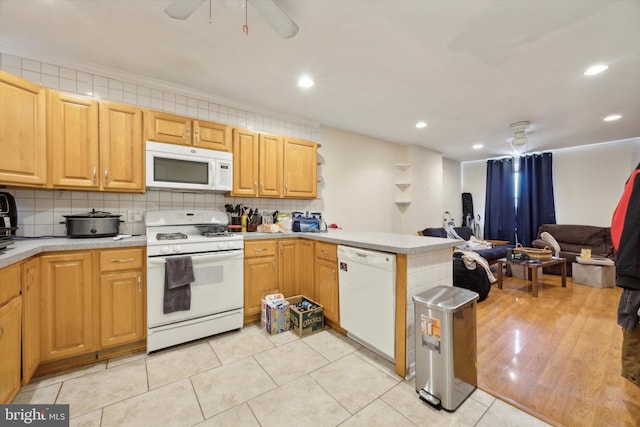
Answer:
[(278, 316), (522, 272), (598, 276), (263, 304), (305, 322)]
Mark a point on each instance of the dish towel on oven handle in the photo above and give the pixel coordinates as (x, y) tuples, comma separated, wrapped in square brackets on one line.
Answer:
[(178, 276)]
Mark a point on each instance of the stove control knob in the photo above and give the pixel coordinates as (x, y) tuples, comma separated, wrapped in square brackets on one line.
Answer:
[(177, 249), (222, 245), (165, 249)]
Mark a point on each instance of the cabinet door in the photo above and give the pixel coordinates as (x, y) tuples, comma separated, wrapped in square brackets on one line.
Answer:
[(270, 167), (23, 132), (30, 318), (260, 279), (326, 288), (66, 324), (72, 125), (300, 169), (121, 147), (305, 265), (245, 163), (121, 308), (288, 270), (10, 349), (214, 136), (171, 128)]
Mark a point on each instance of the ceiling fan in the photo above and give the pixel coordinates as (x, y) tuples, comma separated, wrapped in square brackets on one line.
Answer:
[(519, 129), (268, 9)]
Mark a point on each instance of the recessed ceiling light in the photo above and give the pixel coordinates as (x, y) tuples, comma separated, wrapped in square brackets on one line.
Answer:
[(477, 146), (305, 81), (421, 125), (595, 69), (612, 117)]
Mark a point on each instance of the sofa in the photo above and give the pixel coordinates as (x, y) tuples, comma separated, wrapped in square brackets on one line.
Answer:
[(490, 254), (572, 239)]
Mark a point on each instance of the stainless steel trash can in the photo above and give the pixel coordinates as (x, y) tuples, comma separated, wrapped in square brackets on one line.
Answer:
[(445, 333)]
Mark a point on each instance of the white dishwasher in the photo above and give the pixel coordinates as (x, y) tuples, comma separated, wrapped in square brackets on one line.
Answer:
[(367, 285)]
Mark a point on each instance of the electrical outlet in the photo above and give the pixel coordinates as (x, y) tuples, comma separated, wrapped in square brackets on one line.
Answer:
[(131, 216), (137, 215)]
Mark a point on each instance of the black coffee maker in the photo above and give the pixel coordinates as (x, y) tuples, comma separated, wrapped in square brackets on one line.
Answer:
[(8, 215)]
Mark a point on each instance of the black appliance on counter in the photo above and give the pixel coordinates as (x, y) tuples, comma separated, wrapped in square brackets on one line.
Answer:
[(8, 215)]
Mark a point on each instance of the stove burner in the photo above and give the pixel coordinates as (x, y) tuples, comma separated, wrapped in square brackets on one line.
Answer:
[(170, 236), (217, 234)]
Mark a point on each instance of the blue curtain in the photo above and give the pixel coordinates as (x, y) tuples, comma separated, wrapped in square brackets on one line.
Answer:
[(499, 207), (535, 196)]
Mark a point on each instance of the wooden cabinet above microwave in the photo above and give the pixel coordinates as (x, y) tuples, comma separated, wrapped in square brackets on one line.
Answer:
[(175, 129)]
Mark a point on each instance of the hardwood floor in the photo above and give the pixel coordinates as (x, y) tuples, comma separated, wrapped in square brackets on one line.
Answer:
[(556, 356)]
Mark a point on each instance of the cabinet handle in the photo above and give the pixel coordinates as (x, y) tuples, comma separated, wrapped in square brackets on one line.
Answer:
[(139, 285), (335, 277), (123, 260), (196, 137), (95, 175), (324, 251), (106, 177), (286, 189), (273, 266), (280, 246), (255, 186), (1, 332), (261, 186), (259, 249), (188, 133)]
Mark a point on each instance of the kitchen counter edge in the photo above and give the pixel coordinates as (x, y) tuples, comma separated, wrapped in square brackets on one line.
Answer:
[(384, 242), (23, 249)]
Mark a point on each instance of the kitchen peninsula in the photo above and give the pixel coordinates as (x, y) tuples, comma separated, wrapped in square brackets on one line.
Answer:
[(421, 263)]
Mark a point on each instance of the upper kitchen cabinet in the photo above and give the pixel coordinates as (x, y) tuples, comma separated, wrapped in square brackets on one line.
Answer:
[(94, 145), (121, 147), (22, 132), (272, 166), (257, 164), (72, 130), (175, 129), (300, 169)]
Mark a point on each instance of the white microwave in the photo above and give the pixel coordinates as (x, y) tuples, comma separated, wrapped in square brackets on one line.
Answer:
[(184, 168)]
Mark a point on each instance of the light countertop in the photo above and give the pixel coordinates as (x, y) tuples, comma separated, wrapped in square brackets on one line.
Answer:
[(25, 248), (385, 242)]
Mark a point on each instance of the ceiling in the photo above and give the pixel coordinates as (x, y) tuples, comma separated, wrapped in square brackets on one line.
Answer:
[(467, 68)]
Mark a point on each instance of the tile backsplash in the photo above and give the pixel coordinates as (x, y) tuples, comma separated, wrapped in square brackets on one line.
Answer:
[(40, 212)]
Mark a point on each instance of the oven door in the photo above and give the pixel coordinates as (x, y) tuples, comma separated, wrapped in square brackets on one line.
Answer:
[(219, 286)]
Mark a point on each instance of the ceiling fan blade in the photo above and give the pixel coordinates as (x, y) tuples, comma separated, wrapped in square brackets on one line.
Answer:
[(279, 20), (182, 9)]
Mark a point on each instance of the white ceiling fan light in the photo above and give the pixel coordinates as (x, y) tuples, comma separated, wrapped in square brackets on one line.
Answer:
[(268, 9), (518, 131)]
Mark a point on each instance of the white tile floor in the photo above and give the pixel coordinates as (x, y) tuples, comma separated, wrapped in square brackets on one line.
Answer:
[(249, 378)]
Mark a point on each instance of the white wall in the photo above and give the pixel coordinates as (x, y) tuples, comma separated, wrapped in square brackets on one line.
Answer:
[(474, 181), (588, 181), (359, 177), (452, 189)]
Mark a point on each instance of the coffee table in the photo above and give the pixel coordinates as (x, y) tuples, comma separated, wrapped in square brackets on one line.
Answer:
[(533, 270)]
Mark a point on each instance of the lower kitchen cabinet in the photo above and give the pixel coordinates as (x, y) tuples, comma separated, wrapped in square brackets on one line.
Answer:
[(10, 320), (30, 318), (326, 280), (306, 267), (295, 266), (67, 322), (260, 276), (10, 331), (91, 300), (121, 308)]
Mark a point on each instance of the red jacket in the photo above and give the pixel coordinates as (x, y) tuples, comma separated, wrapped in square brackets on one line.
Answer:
[(625, 233)]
